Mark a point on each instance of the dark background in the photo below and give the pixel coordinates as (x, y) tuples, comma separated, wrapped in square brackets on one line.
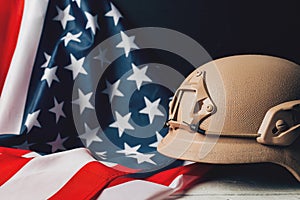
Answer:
[(225, 27)]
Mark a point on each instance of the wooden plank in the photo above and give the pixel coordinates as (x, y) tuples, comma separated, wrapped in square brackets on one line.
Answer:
[(255, 181)]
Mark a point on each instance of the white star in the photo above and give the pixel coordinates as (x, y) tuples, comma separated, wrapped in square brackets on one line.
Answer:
[(112, 90), (151, 109), (102, 155), (57, 144), (127, 43), (91, 22), (63, 16), (141, 158), (122, 123), (114, 13), (90, 135), (139, 75), (102, 57), (128, 150), (158, 139), (83, 101), (70, 37), (57, 109), (78, 2), (46, 63), (32, 120), (76, 66), (50, 76)]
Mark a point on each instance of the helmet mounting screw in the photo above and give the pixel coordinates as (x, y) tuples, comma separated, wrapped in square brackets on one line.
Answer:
[(198, 73), (209, 108), (281, 125)]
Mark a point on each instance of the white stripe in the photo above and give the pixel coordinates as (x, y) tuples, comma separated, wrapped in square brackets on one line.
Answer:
[(186, 163), (108, 164), (139, 189), (14, 93), (136, 190), (31, 155), (43, 176)]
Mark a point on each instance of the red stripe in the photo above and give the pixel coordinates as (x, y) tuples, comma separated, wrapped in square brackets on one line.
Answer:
[(11, 162), (13, 152), (88, 182), (166, 177), (124, 169), (11, 12)]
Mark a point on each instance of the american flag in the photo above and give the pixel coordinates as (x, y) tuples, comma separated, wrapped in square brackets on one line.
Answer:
[(73, 138)]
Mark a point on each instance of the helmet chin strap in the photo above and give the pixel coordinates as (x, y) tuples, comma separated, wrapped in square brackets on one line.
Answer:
[(281, 124)]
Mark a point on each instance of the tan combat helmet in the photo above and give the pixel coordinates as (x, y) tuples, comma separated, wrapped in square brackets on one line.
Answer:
[(238, 109)]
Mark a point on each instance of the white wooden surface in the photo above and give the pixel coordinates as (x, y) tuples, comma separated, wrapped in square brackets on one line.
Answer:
[(259, 181)]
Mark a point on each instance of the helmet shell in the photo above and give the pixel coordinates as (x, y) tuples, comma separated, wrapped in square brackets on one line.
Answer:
[(242, 88)]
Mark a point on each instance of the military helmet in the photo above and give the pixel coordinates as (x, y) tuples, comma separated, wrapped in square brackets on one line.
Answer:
[(237, 109)]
